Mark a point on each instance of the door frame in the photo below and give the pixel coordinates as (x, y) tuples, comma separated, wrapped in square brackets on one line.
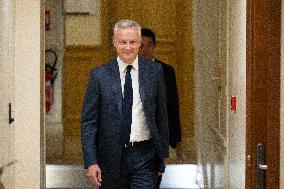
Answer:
[(263, 46)]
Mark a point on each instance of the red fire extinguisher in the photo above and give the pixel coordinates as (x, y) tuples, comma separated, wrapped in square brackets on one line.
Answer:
[(48, 91), (50, 76), (47, 20)]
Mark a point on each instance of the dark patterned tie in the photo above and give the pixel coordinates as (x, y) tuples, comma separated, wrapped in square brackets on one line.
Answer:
[(126, 108)]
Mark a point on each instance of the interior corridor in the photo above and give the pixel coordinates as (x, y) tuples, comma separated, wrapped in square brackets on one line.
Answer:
[(192, 37), (227, 57)]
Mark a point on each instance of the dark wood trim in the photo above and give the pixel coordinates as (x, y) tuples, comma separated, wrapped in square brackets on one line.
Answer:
[(249, 56)]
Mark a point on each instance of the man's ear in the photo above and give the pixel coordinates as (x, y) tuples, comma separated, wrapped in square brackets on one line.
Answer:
[(113, 41)]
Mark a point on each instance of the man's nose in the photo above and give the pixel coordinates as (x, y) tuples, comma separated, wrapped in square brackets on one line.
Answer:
[(127, 46)]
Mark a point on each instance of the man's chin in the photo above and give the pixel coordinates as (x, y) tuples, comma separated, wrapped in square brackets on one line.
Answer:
[(128, 60)]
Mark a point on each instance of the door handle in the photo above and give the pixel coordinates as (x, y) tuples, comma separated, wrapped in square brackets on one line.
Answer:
[(261, 167), (11, 119)]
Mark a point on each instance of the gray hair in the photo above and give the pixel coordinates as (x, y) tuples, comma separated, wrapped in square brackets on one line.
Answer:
[(124, 24)]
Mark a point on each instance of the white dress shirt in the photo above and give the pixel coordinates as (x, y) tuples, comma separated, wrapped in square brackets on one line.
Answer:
[(139, 128)]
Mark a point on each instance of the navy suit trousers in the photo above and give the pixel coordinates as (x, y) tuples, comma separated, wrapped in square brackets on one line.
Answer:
[(139, 169)]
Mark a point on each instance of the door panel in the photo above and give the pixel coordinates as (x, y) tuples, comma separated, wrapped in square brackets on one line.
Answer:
[(211, 91), (263, 89), (7, 91)]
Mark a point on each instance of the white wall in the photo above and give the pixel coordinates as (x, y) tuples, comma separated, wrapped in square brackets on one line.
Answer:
[(7, 90), (210, 62), (54, 39), (205, 32), (28, 107), (236, 87)]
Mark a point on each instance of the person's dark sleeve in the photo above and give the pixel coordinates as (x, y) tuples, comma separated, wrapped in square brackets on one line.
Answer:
[(90, 120), (173, 107), (161, 114), (162, 166)]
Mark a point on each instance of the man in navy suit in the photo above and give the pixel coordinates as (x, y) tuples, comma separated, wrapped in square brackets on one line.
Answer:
[(136, 163), (148, 43)]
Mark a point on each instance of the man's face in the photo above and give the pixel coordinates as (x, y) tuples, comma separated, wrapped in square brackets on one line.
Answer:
[(127, 43), (147, 48)]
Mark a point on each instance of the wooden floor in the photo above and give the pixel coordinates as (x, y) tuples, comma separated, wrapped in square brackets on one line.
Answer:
[(176, 176)]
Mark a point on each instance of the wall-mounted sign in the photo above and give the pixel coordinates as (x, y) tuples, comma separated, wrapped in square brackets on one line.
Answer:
[(81, 7), (82, 28)]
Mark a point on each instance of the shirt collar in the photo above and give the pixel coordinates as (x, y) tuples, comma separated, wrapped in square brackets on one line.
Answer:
[(122, 66)]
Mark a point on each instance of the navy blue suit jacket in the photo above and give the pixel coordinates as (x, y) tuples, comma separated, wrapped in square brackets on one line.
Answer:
[(101, 114), (172, 103)]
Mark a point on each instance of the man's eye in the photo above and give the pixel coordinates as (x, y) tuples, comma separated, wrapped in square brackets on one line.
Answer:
[(122, 42), (134, 42)]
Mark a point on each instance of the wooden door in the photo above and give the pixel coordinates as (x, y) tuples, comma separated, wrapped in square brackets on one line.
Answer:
[(7, 93), (263, 92)]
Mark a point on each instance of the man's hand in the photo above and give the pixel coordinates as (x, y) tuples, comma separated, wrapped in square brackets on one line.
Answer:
[(164, 164), (94, 174)]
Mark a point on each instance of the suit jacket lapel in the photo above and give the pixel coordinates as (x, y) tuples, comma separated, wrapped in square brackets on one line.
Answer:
[(116, 84), (142, 79)]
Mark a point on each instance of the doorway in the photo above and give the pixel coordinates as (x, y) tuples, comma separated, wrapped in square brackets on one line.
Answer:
[(211, 70)]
